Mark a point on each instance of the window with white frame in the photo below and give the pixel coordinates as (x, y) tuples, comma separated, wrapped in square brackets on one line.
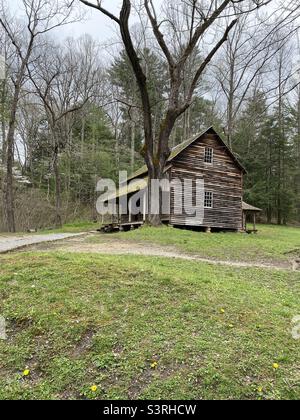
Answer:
[(209, 155), (208, 200)]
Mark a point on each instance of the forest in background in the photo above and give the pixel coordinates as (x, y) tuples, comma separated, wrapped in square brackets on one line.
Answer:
[(79, 113)]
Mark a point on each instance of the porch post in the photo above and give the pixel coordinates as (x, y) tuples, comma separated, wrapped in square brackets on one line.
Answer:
[(129, 210), (245, 220), (144, 206)]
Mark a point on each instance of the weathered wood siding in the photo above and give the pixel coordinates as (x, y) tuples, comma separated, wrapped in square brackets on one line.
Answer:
[(224, 178)]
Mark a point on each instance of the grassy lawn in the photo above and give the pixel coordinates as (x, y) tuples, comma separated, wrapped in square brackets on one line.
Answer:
[(271, 244), (142, 327), (76, 227)]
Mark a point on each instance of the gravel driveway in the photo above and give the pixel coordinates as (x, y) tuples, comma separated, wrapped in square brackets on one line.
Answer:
[(12, 243)]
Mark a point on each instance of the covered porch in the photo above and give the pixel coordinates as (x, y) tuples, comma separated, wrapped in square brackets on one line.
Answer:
[(127, 216), (250, 212)]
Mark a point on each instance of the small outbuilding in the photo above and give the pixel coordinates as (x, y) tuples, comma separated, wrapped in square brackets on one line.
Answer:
[(250, 212)]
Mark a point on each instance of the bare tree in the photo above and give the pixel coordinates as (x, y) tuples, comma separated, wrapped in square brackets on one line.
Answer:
[(4, 52), (114, 113), (196, 18), (66, 79), (247, 59), (30, 119), (42, 16)]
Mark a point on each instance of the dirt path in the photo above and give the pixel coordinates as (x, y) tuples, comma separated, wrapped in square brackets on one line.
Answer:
[(112, 246), (68, 242), (13, 243)]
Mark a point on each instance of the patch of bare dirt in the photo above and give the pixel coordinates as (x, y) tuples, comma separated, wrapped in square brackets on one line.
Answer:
[(145, 378), (114, 246), (296, 265), (139, 384), (17, 326), (84, 344)]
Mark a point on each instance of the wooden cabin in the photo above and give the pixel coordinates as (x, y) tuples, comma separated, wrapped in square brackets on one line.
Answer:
[(204, 157)]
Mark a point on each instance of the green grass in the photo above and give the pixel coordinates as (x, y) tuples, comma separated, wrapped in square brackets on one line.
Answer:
[(79, 320), (76, 227), (271, 244)]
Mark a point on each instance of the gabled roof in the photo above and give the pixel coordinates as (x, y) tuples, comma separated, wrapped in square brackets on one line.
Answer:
[(182, 146), (248, 207)]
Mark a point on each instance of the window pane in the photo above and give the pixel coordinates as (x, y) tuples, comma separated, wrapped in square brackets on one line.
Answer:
[(208, 158), (208, 200)]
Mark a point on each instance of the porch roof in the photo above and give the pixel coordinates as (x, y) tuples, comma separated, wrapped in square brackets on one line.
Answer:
[(249, 207), (134, 186)]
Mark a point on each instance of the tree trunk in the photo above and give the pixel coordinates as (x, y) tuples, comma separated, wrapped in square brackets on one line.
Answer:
[(156, 163), (132, 158), (58, 217), (3, 122), (280, 146), (69, 170), (117, 148), (82, 137), (230, 122), (9, 193), (269, 215), (10, 140), (154, 199), (297, 183)]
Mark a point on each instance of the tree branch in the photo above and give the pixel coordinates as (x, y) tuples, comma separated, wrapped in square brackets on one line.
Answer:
[(201, 30), (101, 9), (139, 74), (205, 63), (158, 34)]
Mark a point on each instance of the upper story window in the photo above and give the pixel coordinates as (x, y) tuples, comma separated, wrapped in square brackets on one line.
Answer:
[(208, 200), (209, 155)]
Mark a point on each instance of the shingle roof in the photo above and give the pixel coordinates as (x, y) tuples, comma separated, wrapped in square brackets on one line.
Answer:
[(182, 146), (141, 172), (248, 207)]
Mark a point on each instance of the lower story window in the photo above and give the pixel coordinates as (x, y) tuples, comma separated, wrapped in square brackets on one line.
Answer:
[(208, 200)]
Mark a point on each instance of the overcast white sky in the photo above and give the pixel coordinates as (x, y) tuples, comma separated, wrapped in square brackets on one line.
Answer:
[(95, 24)]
